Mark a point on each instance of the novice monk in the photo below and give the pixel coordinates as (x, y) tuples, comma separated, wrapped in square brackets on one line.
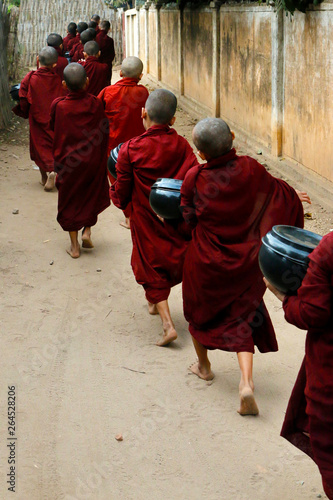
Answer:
[(37, 92), (158, 252), (309, 419), (81, 27), (107, 46), (79, 148), (123, 103), (54, 40), (230, 202), (96, 19), (77, 52), (97, 72), (71, 34)]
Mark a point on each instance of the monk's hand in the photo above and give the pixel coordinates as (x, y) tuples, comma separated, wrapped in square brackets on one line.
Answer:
[(274, 290), (303, 196)]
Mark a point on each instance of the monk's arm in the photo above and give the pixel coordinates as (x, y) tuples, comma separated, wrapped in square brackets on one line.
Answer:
[(22, 108), (312, 307), (121, 190), (187, 203)]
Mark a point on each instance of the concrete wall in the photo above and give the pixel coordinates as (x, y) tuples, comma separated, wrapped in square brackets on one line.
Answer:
[(270, 78)]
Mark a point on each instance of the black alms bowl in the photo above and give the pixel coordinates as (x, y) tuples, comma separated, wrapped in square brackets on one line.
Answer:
[(112, 160), (164, 198), (14, 92), (283, 256)]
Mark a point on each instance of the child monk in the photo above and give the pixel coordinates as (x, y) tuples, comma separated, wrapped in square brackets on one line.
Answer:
[(79, 148), (81, 27), (123, 103), (37, 92), (77, 52), (106, 45), (96, 18), (309, 419), (158, 251), (54, 40), (97, 72), (230, 202), (71, 34)]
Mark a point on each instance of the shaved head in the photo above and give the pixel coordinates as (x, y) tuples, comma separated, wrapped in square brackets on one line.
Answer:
[(93, 32), (54, 40), (82, 26), (132, 67), (212, 136), (161, 106), (91, 48), (48, 56), (92, 24), (95, 18), (75, 76), (71, 28), (86, 36), (105, 25)]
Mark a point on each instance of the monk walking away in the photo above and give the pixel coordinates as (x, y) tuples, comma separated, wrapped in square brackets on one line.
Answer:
[(97, 72), (158, 251), (123, 103), (54, 40), (70, 37), (106, 45), (230, 202), (308, 423), (37, 92), (80, 158)]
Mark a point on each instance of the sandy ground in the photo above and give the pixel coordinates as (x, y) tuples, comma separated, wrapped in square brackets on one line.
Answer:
[(79, 347)]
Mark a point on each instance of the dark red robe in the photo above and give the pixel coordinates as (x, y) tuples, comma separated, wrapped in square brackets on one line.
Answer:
[(80, 159), (158, 251), (310, 407), (106, 45), (97, 73), (73, 42), (231, 202), (37, 92), (76, 54), (67, 40), (61, 63)]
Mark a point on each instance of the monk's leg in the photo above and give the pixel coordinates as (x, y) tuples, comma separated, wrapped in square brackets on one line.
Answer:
[(152, 309), (202, 367), (169, 332), (43, 176), (126, 223), (86, 238), (248, 405), (74, 250), (49, 185)]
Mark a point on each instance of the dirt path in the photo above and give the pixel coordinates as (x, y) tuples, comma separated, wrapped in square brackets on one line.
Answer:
[(78, 345)]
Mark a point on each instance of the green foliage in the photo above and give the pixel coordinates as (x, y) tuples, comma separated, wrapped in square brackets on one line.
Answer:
[(13, 3), (289, 6)]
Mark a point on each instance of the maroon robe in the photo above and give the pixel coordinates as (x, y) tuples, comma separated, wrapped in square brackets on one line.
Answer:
[(158, 251), (67, 40), (74, 41), (310, 407), (231, 202), (106, 45), (76, 53), (37, 92), (61, 63), (97, 73), (80, 144)]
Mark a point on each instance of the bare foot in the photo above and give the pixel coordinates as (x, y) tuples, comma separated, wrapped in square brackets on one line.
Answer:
[(169, 335), (49, 185), (86, 239), (248, 405), (74, 253), (152, 309), (204, 373), (125, 224)]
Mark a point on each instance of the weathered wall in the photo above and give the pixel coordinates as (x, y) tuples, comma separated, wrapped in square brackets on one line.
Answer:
[(170, 20), (246, 70), (38, 18), (308, 103), (269, 77), (5, 113)]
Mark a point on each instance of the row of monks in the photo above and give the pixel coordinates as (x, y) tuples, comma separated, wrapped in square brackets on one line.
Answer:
[(228, 204)]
